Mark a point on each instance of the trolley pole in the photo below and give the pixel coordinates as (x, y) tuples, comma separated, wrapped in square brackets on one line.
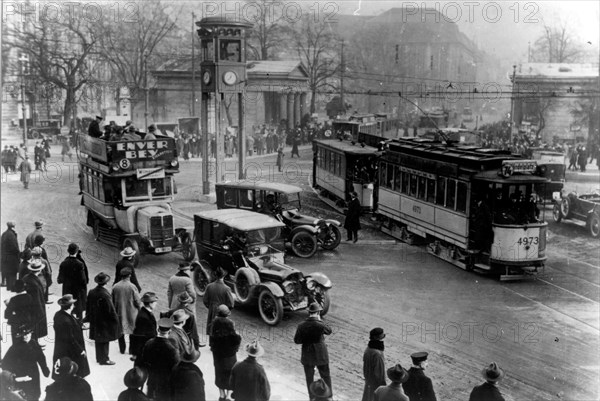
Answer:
[(193, 67)]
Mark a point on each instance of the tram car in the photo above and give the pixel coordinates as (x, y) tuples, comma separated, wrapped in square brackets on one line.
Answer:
[(379, 125), (475, 208)]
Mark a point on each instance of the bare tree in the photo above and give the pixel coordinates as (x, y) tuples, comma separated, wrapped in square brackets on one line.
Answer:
[(317, 46), (557, 44), (269, 27)]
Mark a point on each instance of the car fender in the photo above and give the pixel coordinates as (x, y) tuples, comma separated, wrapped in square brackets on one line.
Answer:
[(312, 230), (205, 267), (320, 278), (334, 222), (253, 277), (180, 231), (274, 288)]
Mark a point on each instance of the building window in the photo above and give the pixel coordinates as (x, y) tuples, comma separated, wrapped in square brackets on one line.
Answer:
[(431, 62)]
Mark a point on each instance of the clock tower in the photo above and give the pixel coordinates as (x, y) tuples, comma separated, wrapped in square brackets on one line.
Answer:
[(223, 73)]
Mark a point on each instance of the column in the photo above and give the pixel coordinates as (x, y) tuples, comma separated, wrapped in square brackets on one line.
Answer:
[(282, 107), (297, 115), (303, 109), (267, 102), (290, 109)]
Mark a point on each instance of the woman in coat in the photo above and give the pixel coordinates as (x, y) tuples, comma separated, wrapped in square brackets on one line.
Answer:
[(352, 223), (22, 359), (68, 337), (224, 342), (10, 256)]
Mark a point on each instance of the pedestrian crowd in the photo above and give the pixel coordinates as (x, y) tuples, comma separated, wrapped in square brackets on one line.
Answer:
[(165, 347)]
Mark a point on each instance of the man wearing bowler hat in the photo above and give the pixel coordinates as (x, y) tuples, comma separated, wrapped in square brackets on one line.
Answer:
[(94, 128), (374, 364), (180, 282), (159, 356), (134, 380), (145, 325), (418, 387), (248, 378), (311, 334), (68, 336), (103, 319), (393, 391), (488, 391)]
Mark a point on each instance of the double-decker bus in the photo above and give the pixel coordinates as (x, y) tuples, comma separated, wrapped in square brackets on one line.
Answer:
[(128, 188), (475, 208)]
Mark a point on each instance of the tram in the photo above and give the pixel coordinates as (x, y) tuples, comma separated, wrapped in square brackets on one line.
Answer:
[(378, 124), (475, 208)]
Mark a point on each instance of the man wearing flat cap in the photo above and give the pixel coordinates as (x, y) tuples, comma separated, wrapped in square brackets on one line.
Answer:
[(419, 387), (311, 334), (94, 128), (145, 325), (488, 391), (127, 303), (159, 356), (103, 319), (374, 364), (73, 275), (68, 336), (10, 258), (30, 239), (181, 282), (393, 391)]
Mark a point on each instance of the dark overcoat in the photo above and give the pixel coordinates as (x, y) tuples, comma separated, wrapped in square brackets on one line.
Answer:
[(68, 341), (10, 252), (373, 371), (182, 341), (72, 276), (189, 326), (352, 221), (23, 359), (159, 356), (217, 293), (70, 388), (35, 289), (311, 334), (145, 329), (102, 316), (133, 394), (187, 383), (19, 311), (486, 392), (123, 263), (418, 387), (249, 381)]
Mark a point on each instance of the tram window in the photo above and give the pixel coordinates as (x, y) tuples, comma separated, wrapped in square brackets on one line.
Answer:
[(246, 199), (413, 185), (397, 178), (450, 193), (206, 230), (405, 179), (461, 197), (101, 190), (383, 174), (441, 191), (422, 188), (430, 190), (390, 176), (338, 164)]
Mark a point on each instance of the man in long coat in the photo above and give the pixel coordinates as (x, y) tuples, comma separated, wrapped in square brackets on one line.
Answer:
[(178, 283), (249, 380), (159, 356), (178, 336), (72, 275), (187, 381), (127, 303), (217, 293), (68, 337), (374, 364), (191, 329), (35, 289), (9, 245), (103, 319), (145, 325), (19, 309), (25, 168), (352, 222), (38, 231), (128, 253), (419, 387), (39, 253), (311, 334)]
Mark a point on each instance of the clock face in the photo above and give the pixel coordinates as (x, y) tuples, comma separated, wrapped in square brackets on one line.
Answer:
[(230, 78), (206, 77)]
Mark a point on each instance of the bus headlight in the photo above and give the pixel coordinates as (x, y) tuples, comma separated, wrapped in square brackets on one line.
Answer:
[(115, 167), (174, 163)]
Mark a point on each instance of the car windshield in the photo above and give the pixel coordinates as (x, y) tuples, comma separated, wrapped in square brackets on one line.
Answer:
[(263, 236), (289, 201)]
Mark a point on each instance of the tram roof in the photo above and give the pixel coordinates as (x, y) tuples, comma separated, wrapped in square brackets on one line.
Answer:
[(242, 220), (266, 186), (494, 176), (457, 154), (347, 147)]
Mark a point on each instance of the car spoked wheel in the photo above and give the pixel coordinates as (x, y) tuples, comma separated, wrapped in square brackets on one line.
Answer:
[(242, 287), (332, 239), (187, 247), (557, 213), (270, 308), (200, 281), (594, 225), (322, 298), (304, 244)]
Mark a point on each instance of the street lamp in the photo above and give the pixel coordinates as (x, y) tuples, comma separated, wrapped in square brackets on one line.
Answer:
[(22, 61)]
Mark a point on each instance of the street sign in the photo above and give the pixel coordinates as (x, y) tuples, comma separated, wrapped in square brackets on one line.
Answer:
[(150, 173), (64, 130)]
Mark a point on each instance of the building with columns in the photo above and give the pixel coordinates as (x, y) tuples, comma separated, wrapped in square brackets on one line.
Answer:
[(275, 91)]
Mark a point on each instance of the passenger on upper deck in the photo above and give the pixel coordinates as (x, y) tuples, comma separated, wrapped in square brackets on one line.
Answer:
[(151, 132), (94, 128), (131, 134)]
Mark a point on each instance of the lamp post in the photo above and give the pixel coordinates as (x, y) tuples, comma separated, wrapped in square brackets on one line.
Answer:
[(22, 61)]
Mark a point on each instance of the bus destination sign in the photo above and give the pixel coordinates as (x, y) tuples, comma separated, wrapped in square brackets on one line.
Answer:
[(150, 149)]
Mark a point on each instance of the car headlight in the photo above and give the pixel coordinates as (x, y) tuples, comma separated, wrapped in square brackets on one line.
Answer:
[(288, 287), (316, 222), (311, 285)]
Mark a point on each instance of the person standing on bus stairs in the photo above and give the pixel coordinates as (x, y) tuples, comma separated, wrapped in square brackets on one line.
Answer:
[(488, 391), (126, 299), (10, 258), (68, 336), (103, 319), (352, 222), (179, 283), (128, 254), (217, 293), (418, 387), (94, 128), (311, 334), (374, 364), (582, 159), (280, 157), (25, 168), (72, 274), (145, 325)]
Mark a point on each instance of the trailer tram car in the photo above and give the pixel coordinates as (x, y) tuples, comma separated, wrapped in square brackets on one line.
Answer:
[(475, 208)]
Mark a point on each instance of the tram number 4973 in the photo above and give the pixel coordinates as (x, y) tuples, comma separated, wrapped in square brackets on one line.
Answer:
[(528, 241)]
